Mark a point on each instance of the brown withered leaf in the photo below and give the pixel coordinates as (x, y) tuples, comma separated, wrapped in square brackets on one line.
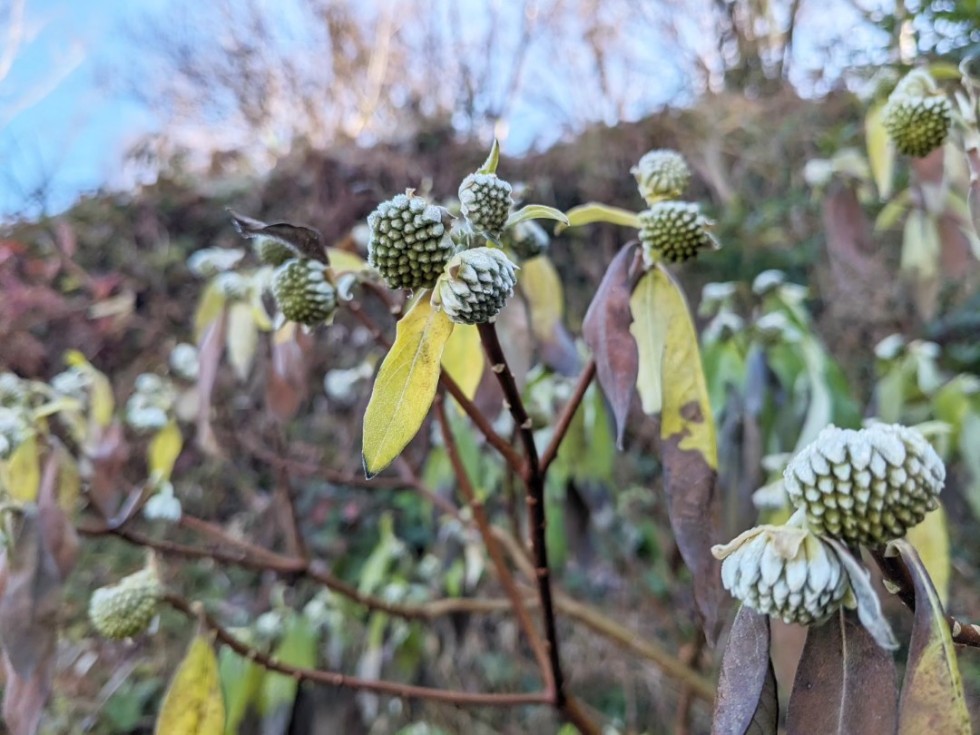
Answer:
[(606, 330), (746, 700), (305, 242), (209, 356), (845, 682), (286, 381), (24, 697), (932, 697), (108, 453)]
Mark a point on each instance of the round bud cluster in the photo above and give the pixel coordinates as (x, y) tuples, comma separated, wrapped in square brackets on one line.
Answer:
[(149, 408), (485, 200), (14, 390), (272, 251), (527, 239), (303, 293), (125, 609), (917, 115), (865, 487), (661, 174), (674, 231), (409, 242), (15, 429), (476, 285), (785, 571)]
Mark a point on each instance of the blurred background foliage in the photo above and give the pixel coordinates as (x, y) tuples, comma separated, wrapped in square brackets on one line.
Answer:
[(824, 305)]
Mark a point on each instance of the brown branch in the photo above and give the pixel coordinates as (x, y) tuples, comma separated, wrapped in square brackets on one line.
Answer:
[(608, 628), (331, 678), (686, 699), (534, 482), (895, 570), (493, 547), (567, 414)]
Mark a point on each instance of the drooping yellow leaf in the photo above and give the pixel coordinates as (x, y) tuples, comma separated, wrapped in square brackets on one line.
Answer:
[(103, 403), (193, 704), (920, 245), (209, 308), (670, 377), (931, 539), (163, 451), (463, 358), (69, 480), (20, 475), (345, 260), (650, 335), (241, 338), (881, 151), (406, 384), (542, 289), (932, 698)]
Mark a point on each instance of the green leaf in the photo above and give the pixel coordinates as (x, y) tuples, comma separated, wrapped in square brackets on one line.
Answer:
[(881, 152), (163, 451), (298, 647), (587, 214), (932, 694), (535, 211), (463, 358), (193, 704), (241, 683), (542, 289), (241, 338), (931, 539), (490, 165), (406, 385)]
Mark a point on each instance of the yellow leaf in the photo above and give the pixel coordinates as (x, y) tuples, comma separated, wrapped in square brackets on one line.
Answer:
[(163, 451), (542, 290), (881, 152), (463, 358), (103, 403), (69, 480), (208, 309), (20, 475), (344, 260), (241, 338), (193, 704), (406, 384), (931, 539), (586, 214), (670, 377)]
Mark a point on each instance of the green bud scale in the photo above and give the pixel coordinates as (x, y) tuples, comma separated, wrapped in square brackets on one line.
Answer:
[(125, 609), (917, 125), (476, 285), (409, 243), (865, 487), (674, 231), (303, 293), (527, 239), (661, 174), (485, 200), (272, 251)]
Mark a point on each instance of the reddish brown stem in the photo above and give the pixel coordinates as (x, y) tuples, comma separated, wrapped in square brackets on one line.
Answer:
[(534, 484), (493, 547), (286, 503), (567, 414), (332, 678)]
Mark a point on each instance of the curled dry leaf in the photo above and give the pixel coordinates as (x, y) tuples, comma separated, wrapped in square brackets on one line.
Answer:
[(845, 682), (746, 699), (606, 330)]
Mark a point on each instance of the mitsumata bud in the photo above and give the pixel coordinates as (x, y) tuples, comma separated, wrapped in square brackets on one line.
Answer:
[(527, 239), (784, 571), (661, 174), (125, 609), (917, 115), (410, 241), (674, 231), (303, 293), (476, 285), (485, 200), (865, 487)]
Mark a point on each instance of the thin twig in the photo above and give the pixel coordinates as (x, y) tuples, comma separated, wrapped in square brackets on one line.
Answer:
[(493, 547), (286, 502), (895, 570), (567, 414), (336, 679), (534, 482)]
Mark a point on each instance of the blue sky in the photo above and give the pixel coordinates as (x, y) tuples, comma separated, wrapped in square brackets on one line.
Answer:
[(57, 124)]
